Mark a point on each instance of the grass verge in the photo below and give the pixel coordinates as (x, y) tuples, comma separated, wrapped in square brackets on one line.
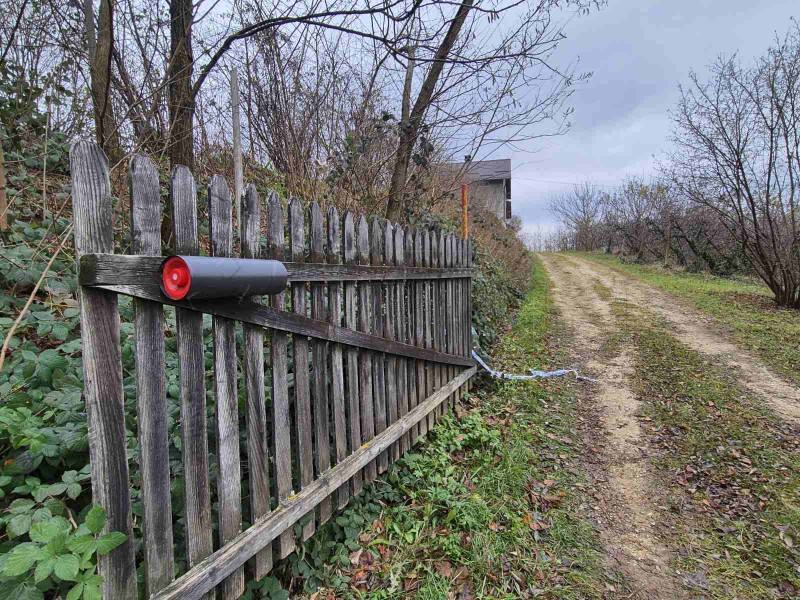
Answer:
[(747, 308), (735, 470), (488, 507)]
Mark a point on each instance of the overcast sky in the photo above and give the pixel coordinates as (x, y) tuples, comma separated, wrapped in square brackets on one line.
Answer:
[(639, 51)]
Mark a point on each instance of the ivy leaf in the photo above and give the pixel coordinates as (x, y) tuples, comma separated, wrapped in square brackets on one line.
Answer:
[(21, 559), (67, 567), (96, 518), (109, 541)]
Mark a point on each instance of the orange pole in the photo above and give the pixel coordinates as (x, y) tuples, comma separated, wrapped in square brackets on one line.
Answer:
[(464, 214)]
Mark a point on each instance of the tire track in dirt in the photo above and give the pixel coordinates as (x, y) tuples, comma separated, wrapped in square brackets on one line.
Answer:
[(697, 331), (626, 513)]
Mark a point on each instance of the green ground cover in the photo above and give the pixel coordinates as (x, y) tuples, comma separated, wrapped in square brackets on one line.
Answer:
[(488, 507)]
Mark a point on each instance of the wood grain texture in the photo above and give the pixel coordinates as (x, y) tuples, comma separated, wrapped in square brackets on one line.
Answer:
[(411, 384), (390, 332), (401, 329), (281, 426), (102, 368), (419, 328), (191, 362), (229, 477), (351, 353), (438, 325), (319, 350), (431, 374), (365, 358), (458, 315), (151, 387), (192, 585), (452, 312), (253, 365), (334, 252), (463, 317), (304, 428), (470, 260), (250, 312), (377, 329), (121, 269)]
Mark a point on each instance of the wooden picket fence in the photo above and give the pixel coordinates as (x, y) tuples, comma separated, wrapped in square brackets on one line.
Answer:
[(379, 355)]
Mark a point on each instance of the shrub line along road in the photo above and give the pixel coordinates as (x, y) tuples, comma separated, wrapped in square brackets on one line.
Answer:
[(630, 513)]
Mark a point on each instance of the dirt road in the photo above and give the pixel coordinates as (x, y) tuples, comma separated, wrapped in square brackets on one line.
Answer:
[(629, 511)]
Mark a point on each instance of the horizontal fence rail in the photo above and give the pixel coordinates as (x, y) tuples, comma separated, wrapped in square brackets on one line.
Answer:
[(119, 269), (342, 372)]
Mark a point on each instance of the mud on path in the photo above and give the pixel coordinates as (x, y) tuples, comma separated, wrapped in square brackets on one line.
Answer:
[(626, 511)]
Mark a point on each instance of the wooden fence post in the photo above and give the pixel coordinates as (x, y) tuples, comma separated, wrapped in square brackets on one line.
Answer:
[(420, 328), (151, 385), (379, 358), (350, 321), (336, 360), (392, 404), (102, 368), (281, 421), (304, 440), (319, 365), (191, 362), (365, 357), (229, 476), (253, 364)]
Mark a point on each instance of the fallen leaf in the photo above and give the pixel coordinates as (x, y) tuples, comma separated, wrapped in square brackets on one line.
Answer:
[(443, 569)]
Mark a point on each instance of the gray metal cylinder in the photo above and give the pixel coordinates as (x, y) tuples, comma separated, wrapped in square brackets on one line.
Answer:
[(199, 277)]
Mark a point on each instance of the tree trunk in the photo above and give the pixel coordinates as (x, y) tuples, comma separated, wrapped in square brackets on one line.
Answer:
[(409, 130), (100, 46), (181, 98)]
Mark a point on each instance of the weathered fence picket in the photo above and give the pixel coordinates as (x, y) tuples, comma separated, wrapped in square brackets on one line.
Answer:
[(151, 394), (303, 439), (191, 365), (253, 363), (379, 353)]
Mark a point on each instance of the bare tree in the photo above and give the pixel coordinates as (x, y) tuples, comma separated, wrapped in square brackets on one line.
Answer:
[(100, 42), (635, 213), (488, 80), (580, 212), (737, 138)]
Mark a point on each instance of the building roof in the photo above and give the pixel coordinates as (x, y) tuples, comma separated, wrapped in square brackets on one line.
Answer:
[(476, 171), (485, 170)]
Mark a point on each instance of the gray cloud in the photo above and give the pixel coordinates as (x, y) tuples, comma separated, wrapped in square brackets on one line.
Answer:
[(639, 51)]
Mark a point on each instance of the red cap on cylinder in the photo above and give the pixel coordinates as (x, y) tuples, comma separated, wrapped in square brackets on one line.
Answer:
[(176, 278)]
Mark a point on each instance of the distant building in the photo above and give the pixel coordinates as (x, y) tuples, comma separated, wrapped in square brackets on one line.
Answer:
[(488, 181)]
